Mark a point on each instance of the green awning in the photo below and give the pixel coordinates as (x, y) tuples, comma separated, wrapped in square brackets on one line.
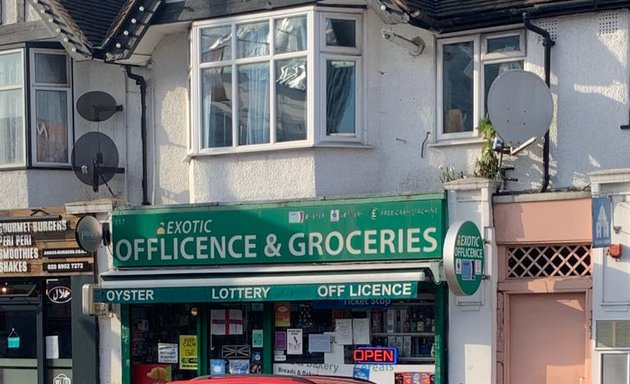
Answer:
[(289, 285)]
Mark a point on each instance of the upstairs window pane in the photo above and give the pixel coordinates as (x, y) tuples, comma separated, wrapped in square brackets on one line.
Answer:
[(457, 87), (503, 44), (252, 39), (216, 107), (340, 97), (290, 34), (216, 44), (341, 33), (51, 69)]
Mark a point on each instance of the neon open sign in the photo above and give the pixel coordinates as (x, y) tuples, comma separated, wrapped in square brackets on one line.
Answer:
[(375, 355)]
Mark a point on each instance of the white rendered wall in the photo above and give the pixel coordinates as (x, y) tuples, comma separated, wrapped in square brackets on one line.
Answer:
[(399, 111), (611, 278), (472, 319), (41, 187), (589, 84)]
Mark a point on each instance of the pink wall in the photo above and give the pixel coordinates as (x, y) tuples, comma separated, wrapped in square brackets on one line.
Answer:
[(540, 222)]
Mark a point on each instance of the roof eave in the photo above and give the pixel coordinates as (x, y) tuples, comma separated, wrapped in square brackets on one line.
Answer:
[(123, 39), (59, 23)]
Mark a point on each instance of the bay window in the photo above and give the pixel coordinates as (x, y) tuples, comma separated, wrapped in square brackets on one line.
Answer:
[(467, 66), (253, 81), (50, 123)]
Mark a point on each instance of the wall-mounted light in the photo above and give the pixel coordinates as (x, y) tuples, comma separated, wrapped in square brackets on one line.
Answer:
[(614, 251), (17, 219), (415, 46)]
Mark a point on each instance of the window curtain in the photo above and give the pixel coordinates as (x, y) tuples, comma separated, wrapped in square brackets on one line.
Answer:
[(11, 110), (11, 128), (216, 88), (52, 126), (339, 96), (253, 85), (291, 36)]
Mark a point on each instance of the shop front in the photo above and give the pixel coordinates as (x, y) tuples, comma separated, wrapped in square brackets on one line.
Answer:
[(341, 287), (44, 337)]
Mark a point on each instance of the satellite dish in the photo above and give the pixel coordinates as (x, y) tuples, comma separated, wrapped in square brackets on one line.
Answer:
[(520, 108), (95, 159), (97, 106)]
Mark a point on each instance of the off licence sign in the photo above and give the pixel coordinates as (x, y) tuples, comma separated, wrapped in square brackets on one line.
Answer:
[(279, 292)]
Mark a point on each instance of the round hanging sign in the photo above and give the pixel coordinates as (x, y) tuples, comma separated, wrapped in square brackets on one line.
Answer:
[(464, 258), (89, 233)]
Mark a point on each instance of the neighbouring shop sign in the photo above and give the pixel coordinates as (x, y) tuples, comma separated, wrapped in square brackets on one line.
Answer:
[(400, 228), (464, 258), (280, 292), (33, 243)]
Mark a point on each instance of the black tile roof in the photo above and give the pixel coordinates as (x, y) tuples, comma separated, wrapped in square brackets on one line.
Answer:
[(93, 17), (456, 15)]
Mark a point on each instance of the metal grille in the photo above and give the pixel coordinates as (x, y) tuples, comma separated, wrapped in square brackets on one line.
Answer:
[(551, 26), (608, 23), (549, 261)]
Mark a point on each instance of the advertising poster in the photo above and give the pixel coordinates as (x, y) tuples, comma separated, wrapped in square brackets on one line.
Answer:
[(167, 353), (151, 374), (343, 331), (294, 341), (257, 338), (283, 314), (188, 352)]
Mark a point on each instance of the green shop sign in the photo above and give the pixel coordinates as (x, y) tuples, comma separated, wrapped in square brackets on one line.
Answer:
[(464, 258), (256, 293), (400, 228)]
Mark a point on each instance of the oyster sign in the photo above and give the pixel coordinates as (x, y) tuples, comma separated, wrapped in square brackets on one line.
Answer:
[(396, 228)]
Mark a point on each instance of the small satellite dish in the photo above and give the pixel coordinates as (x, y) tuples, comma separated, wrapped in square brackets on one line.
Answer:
[(97, 106), (95, 159), (520, 108)]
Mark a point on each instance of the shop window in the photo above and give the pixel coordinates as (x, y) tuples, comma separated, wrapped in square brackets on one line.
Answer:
[(158, 334), (58, 319), (305, 332), (467, 67), (236, 338)]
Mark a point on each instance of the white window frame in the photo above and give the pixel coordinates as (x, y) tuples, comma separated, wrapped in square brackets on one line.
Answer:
[(34, 87), (316, 91), (341, 54), (480, 59), (24, 111)]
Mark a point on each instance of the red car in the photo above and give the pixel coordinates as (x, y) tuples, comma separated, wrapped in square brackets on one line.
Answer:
[(272, 379)]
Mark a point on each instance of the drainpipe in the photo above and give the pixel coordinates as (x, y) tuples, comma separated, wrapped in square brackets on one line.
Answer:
[(547, 43), (143, 128)]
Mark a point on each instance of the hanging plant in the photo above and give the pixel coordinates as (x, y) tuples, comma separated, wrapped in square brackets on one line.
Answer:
[(487, 165)]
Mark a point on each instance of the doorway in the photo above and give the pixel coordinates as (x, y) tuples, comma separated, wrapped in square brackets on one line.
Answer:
[(547, 338), (19, 347)]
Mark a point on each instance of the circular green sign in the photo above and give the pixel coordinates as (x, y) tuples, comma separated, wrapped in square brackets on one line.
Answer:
[(464, 258)]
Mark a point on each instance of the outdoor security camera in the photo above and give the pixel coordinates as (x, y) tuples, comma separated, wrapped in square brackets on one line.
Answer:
[(415, 46)]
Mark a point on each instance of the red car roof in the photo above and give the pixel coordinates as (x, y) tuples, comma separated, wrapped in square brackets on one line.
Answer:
[(272, 379)]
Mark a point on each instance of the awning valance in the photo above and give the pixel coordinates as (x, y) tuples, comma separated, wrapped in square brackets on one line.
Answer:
[(277, 285)]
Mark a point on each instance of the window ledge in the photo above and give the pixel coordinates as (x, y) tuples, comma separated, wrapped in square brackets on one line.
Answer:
[(458, 142), (242, 150)]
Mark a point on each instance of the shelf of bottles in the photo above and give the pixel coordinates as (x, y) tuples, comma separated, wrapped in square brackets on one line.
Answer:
[(410, 327)]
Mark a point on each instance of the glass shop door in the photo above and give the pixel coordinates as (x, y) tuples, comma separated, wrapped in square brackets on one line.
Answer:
[(19, 343)]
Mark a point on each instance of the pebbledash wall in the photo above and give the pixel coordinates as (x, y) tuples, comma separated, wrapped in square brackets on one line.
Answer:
[(399, 99)]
